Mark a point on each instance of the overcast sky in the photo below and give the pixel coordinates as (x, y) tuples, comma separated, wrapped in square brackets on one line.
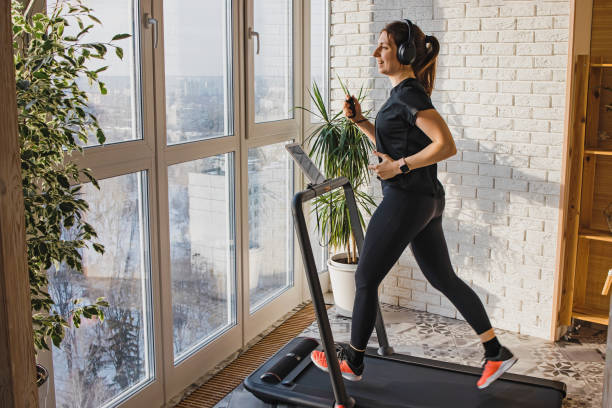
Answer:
[(193, 36)]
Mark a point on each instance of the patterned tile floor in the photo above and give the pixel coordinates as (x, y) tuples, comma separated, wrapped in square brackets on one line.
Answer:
[(579, 363)]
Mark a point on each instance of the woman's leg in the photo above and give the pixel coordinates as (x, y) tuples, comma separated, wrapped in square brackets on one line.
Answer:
[(398, 218), (431, 253), (396, 221)]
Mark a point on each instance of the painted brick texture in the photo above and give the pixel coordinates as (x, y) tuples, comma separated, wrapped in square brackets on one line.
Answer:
[(500, 86)]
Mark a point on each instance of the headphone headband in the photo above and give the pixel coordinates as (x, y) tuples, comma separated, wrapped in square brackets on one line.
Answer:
[(409, 24), (406, 51)]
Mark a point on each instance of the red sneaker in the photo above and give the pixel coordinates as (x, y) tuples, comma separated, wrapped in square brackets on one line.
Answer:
[(351, 374), (494, 367)]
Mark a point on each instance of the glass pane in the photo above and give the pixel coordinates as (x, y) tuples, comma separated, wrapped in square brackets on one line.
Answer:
[(270, 223), (198, 70), (119, 111), (102, 362), (319, 46), (201, 203), (274, 63)]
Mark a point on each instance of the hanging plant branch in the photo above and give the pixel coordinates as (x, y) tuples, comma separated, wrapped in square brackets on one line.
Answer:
[(54, 122)]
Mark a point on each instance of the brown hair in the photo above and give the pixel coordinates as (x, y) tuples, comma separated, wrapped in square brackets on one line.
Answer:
[(424, 65)]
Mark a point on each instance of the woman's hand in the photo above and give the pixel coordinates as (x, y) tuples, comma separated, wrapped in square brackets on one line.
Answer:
[(387, 168), (348, 111)]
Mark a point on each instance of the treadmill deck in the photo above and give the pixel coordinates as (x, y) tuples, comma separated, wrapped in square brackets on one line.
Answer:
[(405, 381)]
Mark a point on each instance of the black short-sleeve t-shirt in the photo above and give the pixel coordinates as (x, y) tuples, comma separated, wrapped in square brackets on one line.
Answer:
[(398, 136)]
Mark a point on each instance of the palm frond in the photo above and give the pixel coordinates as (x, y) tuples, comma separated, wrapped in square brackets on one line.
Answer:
[(339, 148)]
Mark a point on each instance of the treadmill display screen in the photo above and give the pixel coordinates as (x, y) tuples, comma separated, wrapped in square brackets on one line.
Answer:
[(308, 167)]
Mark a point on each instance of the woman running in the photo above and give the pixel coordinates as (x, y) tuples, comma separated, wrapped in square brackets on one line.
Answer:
[(410, 138)]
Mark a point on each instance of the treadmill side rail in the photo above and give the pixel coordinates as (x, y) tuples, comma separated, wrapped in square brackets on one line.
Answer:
[(340, 395)]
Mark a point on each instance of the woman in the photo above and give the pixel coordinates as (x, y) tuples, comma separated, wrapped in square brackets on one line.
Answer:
[(410, 138)]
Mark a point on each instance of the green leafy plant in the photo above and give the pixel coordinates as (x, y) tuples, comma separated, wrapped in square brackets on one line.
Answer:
[(339, 148), (54, 122)]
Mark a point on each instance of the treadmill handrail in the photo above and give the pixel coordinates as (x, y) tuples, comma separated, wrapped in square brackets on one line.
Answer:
[(314, 284)]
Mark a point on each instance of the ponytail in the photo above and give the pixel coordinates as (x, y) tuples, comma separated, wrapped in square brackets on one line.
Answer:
[(425, 67)]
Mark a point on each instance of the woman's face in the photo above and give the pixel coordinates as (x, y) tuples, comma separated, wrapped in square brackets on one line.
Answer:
[(386, 55)]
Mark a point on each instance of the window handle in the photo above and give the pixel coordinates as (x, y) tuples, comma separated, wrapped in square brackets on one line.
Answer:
[(150, 21), (256, 34)]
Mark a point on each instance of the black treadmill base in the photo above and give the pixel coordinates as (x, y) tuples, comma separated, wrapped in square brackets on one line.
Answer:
[(405, 381)]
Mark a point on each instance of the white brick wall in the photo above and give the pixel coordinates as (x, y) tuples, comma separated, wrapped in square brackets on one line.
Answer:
[(501, 88)]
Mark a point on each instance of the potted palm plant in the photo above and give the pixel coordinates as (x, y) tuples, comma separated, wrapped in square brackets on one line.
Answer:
[(339, 148)]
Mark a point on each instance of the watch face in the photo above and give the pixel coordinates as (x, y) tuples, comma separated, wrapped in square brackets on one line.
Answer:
[(404, 168)]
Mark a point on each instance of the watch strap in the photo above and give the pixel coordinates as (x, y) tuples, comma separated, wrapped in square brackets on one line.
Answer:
[(404, 167)]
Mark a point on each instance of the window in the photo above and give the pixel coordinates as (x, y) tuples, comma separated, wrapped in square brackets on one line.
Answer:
[(319, 49), (270, 223), (102, 362), (194, 205)]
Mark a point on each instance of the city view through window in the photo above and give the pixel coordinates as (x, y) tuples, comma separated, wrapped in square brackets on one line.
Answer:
[(101, 364)]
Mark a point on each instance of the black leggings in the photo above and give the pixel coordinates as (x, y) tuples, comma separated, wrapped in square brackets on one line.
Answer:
[(404, 218)]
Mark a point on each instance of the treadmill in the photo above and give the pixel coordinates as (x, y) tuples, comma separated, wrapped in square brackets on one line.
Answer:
[(289, 378)]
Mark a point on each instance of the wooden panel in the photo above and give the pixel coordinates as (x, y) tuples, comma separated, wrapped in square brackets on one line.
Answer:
[(602, 195), (580, 281), (606, 289), (593, 103), (601, 28), (572, 185), (17, 369), (598, 151), (599, 262), (595, 235), (591, 315), (604, 131), (579, 43), (588, 184)]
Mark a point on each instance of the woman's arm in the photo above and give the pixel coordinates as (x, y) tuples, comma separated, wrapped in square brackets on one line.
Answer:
[(365, 126), (442, 146), (368, 128)]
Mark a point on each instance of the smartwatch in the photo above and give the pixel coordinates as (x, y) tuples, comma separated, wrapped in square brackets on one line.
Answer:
[(404, 167)]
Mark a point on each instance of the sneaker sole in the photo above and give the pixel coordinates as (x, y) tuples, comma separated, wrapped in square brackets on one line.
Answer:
[(505, 366), (350, 377)]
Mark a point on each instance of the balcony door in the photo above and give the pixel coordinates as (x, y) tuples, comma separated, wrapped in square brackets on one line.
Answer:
[(223, 116), (198, 132), (273, 74)]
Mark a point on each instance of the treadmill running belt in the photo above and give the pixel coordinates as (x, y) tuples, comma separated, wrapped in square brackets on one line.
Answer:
[(393, 384), (404, 381)]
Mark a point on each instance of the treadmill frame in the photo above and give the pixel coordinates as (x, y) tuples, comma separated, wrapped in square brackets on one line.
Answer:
[(341, 397)]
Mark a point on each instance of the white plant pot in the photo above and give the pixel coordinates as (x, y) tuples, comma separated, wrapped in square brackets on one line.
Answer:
[(342, 277)]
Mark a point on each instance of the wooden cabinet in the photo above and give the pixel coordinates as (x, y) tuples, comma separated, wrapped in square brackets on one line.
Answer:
[(589, 255)]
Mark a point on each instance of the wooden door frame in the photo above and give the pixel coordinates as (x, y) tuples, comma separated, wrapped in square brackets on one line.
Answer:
[(579, 42), (17, 366)]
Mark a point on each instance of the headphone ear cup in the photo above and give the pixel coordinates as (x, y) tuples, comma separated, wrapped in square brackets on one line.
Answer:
[(401, 53), (410, 53), (406, 53)]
